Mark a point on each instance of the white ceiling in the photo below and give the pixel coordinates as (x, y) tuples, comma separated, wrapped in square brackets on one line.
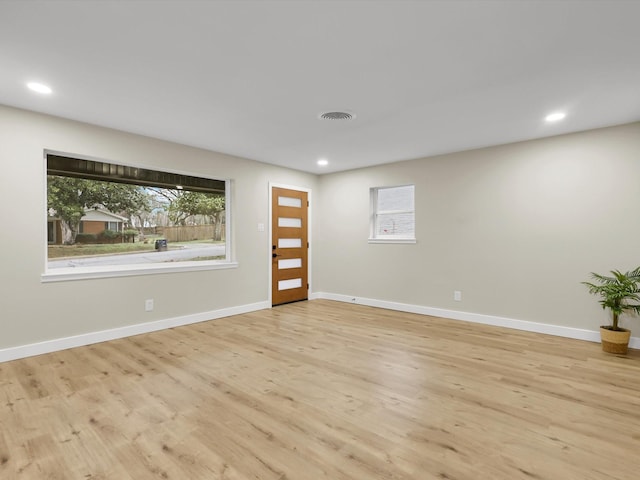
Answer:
[(249, 78)]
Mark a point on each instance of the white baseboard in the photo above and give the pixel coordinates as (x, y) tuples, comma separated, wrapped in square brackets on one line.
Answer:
[(57, 344), (559, 331), (23, 351)]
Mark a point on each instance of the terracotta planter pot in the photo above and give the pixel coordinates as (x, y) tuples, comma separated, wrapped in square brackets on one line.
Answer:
[(615, 341)]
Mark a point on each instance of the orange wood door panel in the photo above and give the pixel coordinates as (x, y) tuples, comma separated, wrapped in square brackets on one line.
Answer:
[(289, 263)]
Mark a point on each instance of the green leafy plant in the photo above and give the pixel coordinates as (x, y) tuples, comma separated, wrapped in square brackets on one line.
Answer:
[(110, 234), (620, 293), (86, 238)]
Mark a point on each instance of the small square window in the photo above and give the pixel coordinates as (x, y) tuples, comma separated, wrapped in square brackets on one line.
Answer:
[(392, 214)]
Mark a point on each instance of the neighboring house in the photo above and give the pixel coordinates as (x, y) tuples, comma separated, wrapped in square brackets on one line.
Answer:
[(54, 231), (94, 221), (98, 220)]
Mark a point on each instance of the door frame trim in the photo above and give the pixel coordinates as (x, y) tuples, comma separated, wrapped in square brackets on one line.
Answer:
[(270, 233)]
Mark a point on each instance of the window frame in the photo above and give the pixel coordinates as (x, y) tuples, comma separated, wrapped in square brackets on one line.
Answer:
[(374, 214), (135, 269), (117, 225)]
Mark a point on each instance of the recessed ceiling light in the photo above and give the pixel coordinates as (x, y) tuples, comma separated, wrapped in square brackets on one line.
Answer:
[(323, 163), (337, 116), (39, 87), (554, 117)]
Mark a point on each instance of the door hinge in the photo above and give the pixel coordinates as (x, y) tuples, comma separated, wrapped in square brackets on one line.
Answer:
[(307, 286)]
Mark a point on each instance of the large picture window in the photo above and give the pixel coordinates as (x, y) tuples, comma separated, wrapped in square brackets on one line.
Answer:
[(392, 215), (110, 219)]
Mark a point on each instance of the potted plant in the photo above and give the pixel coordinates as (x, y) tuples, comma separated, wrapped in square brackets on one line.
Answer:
[(620, 293)]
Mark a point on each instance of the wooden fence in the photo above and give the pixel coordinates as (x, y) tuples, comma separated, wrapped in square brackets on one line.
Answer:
[(188, 233)]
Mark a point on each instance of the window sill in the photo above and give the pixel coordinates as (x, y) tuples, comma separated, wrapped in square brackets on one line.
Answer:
[(392, 240), (87, 273)]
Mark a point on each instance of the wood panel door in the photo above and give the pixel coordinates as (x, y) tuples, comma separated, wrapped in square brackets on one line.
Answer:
[(289, 246)]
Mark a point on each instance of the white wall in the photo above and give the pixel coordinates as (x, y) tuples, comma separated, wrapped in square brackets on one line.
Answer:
[(32, 311), (516, 228)]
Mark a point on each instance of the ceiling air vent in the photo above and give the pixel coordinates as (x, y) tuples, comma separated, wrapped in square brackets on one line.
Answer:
[(337, 116)]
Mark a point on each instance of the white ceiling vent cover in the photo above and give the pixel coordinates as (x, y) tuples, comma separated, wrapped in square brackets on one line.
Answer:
[(337, 116)]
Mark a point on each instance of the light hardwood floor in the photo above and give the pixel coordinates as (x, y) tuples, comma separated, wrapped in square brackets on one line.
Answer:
[(320, 389)]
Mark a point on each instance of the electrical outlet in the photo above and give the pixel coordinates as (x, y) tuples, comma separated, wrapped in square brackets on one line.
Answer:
[(148, 305), (457, 295)]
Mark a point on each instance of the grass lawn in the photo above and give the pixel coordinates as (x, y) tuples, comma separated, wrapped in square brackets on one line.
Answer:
[(204, 242), (200, 259), (60, 251)]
